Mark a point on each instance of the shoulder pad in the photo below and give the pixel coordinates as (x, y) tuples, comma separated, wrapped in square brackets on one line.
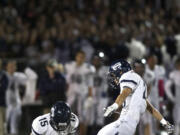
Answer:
[(130, 75), (129, 79), (74, 123), (40, 125)]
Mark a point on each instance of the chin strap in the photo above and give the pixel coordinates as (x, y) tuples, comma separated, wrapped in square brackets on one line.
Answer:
[(56, 129)]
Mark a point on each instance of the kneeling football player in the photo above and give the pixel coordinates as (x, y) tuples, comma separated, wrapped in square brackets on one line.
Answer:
[(60, 121)]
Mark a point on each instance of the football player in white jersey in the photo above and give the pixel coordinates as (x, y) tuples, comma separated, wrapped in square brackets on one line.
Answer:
[(132, 98), (100, 88), (150, 79), (173, 82), (60, 121), (154, 78), (13, 99), (79, 76), (138, 66)]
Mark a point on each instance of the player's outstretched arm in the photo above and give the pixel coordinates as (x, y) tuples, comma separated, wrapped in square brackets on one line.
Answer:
[(153, 111), (159, 117), (119, 101)]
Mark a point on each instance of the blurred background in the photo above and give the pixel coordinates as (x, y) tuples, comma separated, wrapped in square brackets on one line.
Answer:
[(60, 50)]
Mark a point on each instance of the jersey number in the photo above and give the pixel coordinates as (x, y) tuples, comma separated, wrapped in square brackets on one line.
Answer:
[(145, 91), (43, 122)]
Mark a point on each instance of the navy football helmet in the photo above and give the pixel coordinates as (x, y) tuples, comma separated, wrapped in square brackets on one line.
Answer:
[(60, 116), (116, 69)]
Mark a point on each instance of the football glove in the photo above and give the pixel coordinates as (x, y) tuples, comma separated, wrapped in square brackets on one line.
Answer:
[(110, 110), (169, 127)]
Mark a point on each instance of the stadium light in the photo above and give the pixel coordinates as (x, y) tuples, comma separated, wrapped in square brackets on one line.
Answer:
[(143, 61), (101, 54)]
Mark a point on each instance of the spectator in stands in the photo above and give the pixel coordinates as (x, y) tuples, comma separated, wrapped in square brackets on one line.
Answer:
[(30, 21), (52, 85)]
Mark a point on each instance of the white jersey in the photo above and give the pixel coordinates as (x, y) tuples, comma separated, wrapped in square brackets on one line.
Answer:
[(41, 126), (152, 78), (100, 81), (30, 92), (79, 77), (149, 76), (12, 93), (17, 79), (174, 80), (173, 83), (135, 104), (101, 98)]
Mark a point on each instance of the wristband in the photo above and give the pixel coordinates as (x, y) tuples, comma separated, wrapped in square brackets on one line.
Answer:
[(163, 121), (115, 106)]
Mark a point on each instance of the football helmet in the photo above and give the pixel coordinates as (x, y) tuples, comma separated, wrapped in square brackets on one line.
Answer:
[(116, 69), (60, 116)]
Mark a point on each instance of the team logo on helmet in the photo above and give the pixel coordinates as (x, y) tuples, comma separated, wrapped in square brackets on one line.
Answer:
[(115, 66)]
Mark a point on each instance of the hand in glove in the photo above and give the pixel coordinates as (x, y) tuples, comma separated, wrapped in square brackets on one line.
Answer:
[(109, 111), (169, 127)]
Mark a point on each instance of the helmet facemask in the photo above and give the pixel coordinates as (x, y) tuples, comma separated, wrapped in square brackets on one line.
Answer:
[(60, 117), (59, 126), (113, 80), (115, 72)]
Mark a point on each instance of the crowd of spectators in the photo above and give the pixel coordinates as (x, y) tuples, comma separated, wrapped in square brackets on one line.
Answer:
[(39, 30)]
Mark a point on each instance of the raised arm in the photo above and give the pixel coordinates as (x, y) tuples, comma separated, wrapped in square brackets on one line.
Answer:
[(156, 114)]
